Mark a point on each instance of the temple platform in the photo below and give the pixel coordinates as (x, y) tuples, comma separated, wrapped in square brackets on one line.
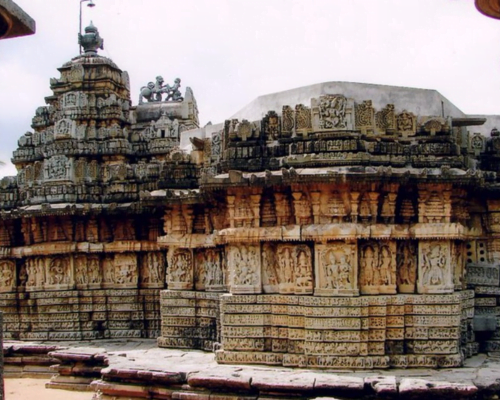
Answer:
[(130, 369)]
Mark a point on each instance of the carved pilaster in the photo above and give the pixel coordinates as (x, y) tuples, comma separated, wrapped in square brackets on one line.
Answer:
[(315, 202), (255, 205), (302, 208), (230, 209)]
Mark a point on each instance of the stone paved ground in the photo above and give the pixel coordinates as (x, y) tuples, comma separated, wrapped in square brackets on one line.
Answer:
[(480, 373)]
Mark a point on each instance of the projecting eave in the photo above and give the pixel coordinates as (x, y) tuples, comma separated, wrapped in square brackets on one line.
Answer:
[(14, 22)]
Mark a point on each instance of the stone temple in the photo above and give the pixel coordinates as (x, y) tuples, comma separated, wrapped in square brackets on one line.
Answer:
[(339, 225)]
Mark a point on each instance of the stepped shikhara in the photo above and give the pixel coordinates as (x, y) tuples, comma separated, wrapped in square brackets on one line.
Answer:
[(340, 233)]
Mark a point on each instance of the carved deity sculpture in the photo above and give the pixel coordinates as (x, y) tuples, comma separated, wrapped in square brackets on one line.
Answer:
[(434, 269), (214, 270), (94, 271), (406, 124), (406, 266), (58, 275), (153, 270), (7, 275), (81, 273), (336, 269), (125, 269), (180, 269), (303, 270), (286, 268), (270, 280), (245, 269), (332, 111)]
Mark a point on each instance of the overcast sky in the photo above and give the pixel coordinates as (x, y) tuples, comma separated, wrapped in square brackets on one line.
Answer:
[(231, 51)]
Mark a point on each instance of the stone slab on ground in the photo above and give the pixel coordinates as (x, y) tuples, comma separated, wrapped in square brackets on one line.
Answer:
[(137, 368)]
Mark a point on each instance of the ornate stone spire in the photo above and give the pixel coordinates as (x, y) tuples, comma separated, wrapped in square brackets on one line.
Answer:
[(91, 41)]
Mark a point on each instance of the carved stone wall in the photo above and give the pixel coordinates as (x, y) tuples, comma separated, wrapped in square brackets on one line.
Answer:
[(326, 235)]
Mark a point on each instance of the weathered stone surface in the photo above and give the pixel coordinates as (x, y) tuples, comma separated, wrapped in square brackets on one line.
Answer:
[(220, 379), (420, 387), (382, 385)]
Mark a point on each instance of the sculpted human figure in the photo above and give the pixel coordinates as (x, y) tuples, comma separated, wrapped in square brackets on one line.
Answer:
[(344, 272), (7, 275), (435, 263), (268, 267), (304, 273), (331, 271), (385, 266), (286, 266), (406, 267), (93, 270), (368, 265)]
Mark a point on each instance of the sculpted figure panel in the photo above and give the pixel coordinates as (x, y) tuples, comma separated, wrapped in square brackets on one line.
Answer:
[(64, 129), (332, 112), (7, 275), (208, 273), (336, 269), (94, 271), (434, 267), (406, 266), (303, 270), (126, 269), (153, 270), (378, 267), (81, 272), (35, 268), (244, 268), (270, 280), (56, 167), (271, 126), (406, 123), (58, 274), (180, 269)]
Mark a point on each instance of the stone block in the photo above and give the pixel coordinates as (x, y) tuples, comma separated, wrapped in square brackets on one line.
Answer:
[(485, 323), (483, 275)]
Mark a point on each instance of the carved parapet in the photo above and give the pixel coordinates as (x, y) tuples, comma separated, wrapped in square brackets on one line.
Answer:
[(365, 117), (332, 113)]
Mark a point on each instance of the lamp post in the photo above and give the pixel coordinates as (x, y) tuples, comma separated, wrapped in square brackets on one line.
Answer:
[(91, 4)]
